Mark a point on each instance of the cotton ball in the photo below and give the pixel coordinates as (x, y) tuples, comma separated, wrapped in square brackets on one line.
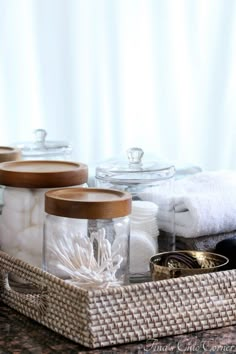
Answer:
[(29, 258), (12, 251), (14, 220), (38, 211), (37, 215), (39, 195), (8, 240), (32, 240), (20, 199)]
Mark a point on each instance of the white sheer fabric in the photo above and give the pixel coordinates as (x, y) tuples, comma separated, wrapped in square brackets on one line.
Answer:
[(110, 74)]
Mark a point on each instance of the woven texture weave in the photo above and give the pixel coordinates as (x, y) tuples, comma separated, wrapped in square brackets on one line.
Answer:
[(124, 314)]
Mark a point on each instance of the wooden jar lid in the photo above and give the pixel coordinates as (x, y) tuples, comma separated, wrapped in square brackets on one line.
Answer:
[(42, 174), (8, 153), (88, 203)]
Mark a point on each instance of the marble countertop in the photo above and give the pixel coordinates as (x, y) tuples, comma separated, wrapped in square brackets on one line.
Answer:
[(20, 335)]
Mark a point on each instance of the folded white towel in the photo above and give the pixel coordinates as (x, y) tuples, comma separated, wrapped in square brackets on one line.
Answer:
[(204, 204)]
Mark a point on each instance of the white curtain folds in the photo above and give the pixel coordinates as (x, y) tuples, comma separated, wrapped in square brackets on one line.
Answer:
[(107, 75)]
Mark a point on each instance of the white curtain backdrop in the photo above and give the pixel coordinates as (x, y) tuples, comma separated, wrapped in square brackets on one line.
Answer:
[(107, 75)]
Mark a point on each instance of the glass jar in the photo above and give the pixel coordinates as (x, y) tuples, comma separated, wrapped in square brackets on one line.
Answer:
[(149, 182), (42, 149), (24, 185), (86, 236)]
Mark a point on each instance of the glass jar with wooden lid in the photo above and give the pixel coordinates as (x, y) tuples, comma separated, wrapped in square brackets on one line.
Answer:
[(24, 186), (86, 236)]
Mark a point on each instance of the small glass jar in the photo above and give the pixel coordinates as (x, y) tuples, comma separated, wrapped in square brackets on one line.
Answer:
[(24, 185), (42, 149), (149, 182), (86, 236)]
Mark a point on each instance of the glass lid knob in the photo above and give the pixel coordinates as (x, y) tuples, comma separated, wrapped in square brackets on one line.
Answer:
[(40, 136), (135, 156)]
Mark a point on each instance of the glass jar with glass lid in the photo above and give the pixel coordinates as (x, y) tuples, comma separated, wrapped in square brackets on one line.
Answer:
[(149, 182), (42, 149)]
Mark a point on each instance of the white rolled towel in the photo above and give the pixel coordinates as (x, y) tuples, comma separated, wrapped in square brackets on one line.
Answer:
[(204, 204)]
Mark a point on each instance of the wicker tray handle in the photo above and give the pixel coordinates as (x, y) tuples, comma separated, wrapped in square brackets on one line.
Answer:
[(27, 294)]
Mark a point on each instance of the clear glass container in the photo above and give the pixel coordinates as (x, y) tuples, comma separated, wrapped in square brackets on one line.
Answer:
[(42, 149), (86, 236), (152, 217), (24, 186)]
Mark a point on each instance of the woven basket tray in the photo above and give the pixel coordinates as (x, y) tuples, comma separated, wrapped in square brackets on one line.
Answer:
[(125, 314)]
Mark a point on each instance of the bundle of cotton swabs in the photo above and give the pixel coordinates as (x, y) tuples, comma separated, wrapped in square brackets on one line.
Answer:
[(76, 258)]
